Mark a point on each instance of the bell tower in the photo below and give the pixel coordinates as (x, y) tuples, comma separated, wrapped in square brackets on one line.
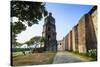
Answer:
[(49, 33)]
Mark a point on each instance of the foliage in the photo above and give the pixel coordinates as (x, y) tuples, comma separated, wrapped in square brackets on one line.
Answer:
[(29, 12), (33, 40), (18, 44), (43, 39), (28, 49), (29, 42), (36, 38), (92, 53), (18, 27), (20, 49)]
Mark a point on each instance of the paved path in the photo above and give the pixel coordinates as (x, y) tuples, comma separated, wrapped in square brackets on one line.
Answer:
[(66, 57)]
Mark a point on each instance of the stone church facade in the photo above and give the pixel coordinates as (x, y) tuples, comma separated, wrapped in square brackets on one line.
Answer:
[(49, 33)]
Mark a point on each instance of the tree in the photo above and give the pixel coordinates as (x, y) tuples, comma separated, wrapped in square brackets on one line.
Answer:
[(19, 44), (17, 27), (43, 39), (28, 13), (33, 40), (30, 42)]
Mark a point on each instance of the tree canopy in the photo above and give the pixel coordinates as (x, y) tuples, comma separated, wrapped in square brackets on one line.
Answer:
[(28, 12), (17, 27), (33, 40)]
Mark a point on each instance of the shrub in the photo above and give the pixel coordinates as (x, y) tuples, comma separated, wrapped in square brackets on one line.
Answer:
[(20, 49), (92, 53), (28, 49)]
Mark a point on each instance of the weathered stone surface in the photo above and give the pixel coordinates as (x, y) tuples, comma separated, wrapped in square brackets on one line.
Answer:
[(91, 40), (49, 33), (81, 35), (75, 38), (66, 42), (87, 35), (69, 41), (93, 14), (71, 46)]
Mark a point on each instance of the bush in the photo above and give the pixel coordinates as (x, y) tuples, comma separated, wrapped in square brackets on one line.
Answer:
[(28, 49), (38, 50), (92, 53), (20, 49)]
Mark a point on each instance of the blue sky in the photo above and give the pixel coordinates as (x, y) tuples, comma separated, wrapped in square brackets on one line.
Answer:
[(66, 16)]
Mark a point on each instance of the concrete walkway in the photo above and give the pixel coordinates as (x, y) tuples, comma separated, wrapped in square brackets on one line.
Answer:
[(66, 57)]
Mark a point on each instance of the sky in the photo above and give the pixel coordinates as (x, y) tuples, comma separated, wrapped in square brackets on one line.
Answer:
[(66, 17)]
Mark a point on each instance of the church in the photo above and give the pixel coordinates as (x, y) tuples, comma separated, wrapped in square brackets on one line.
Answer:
[(49, 33)]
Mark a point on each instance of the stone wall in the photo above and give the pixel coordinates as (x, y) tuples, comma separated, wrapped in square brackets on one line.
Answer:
[(83, 36), (71, 46), (91, 40), (93, 14), (66, 42), (75, 38), (93, 25)]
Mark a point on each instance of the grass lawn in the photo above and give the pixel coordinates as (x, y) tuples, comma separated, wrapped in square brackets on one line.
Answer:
[(83, 56), (33, 59)]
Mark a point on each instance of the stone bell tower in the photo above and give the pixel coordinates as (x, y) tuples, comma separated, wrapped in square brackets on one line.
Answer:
[(49, 33)]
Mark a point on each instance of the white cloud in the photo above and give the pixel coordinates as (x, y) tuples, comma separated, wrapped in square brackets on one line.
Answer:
[(35, 30)]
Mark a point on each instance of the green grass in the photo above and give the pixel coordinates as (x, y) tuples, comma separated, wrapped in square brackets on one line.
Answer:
[(86, 56), (33, 59)]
